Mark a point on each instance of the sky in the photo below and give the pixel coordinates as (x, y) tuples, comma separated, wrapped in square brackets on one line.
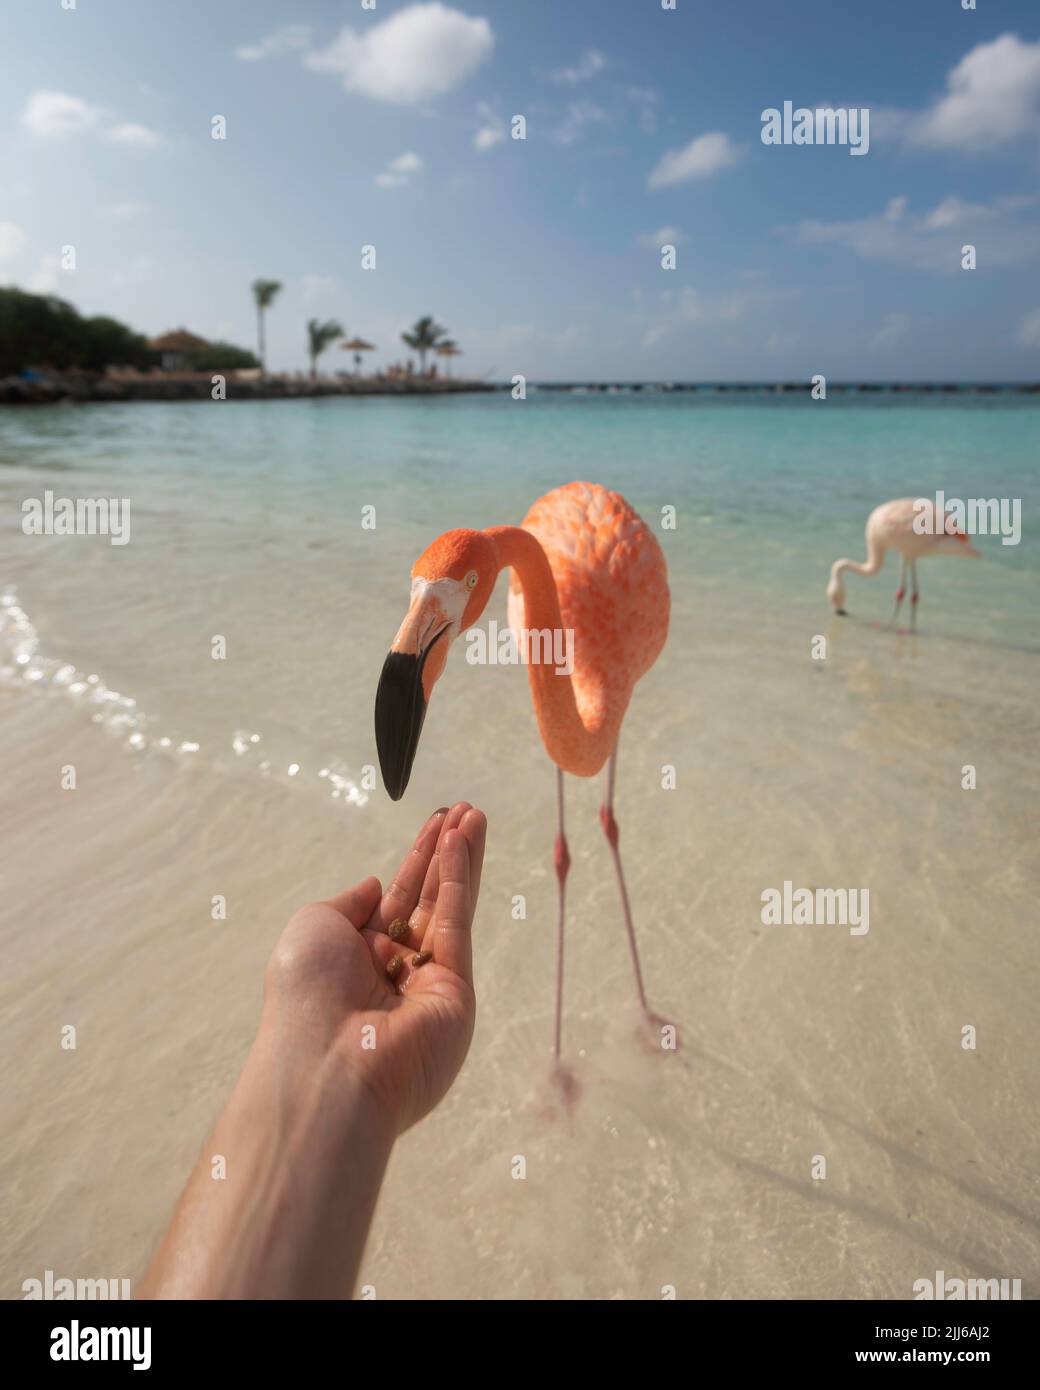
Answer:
[(388, 124)]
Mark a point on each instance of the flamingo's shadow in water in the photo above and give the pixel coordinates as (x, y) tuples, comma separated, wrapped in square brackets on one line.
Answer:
[(962, 638), (900, 1154)]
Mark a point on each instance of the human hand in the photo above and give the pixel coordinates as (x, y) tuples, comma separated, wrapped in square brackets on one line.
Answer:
[(329, 1005)]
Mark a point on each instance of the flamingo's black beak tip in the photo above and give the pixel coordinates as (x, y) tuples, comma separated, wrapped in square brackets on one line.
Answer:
[(400, 711)]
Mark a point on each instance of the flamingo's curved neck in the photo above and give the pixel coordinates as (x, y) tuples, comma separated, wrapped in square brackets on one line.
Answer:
[(570, 742), (875, 559)]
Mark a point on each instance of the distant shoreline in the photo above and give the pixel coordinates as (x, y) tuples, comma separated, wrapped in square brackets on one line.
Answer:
[(790, 387), (51, 388)]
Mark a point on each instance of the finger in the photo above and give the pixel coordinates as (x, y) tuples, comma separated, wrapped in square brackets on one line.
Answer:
[(357, 903), (400, 898), (452, 941), (424, 908), (474, 826)]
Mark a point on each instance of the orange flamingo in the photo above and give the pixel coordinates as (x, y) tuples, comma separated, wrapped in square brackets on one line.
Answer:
[(583, 561), (891, 527)]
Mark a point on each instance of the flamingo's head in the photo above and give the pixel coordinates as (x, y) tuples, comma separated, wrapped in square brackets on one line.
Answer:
[(452, 581), (955, 542), (836, 590)]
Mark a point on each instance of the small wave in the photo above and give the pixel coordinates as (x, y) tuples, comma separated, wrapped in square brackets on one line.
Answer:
[(24, 664)]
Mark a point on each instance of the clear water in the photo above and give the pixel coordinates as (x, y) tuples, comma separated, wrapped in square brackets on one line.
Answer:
[(689, 1169)]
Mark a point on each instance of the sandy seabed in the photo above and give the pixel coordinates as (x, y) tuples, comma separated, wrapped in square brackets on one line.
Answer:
[(691, 1169)]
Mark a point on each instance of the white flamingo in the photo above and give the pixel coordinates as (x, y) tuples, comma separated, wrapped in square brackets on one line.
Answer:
[(891, 527)]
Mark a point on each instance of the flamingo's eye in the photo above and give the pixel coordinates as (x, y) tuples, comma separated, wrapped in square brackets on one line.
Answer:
[(471, 580)]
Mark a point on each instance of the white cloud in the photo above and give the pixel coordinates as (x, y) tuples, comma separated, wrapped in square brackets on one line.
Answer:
[(12, 238), (664, 236), (130, 133), (47, 278), (128, 209), (420, 52), (951, 211), (287, 40), (406, 164), (492, 130), (894, 329), (318, 289), (702, 157), (729, 307), (54, 114), (579, 115), (932, 240), (587, 67), (399, 171), (487, 137), (1029, 330), (654, 334), (991, 98), (689, 306)]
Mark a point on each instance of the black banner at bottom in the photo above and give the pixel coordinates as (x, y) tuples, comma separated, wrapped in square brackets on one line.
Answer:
[(161, 1339)]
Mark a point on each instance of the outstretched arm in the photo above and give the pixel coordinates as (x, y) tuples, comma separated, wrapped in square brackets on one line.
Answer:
[(345, 1059)]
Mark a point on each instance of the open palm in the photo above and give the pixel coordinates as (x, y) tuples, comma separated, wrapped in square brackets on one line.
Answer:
[(327, 988)]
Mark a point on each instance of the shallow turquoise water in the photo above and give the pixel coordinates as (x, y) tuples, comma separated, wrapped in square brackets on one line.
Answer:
[(246, 522), (768, 490)]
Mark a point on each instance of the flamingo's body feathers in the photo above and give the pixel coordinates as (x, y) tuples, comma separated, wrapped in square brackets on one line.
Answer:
[(891, 527), (612, 585)]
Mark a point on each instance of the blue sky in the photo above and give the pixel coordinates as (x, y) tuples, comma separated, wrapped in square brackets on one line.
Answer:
[(389, 127)]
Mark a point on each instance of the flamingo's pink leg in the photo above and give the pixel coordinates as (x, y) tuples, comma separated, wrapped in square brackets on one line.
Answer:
[(913, 594), (610, 829), (901, 591), (562, 861)]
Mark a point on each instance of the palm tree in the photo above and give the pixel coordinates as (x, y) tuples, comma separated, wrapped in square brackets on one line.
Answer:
[(264, 292), (319, 335), (425, 335)]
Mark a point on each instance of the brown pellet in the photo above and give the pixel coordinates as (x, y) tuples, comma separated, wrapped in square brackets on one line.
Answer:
[(421, 958), (398, 930), (393, 967)]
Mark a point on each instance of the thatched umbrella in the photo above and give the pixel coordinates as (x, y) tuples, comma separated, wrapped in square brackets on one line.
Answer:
[(174, 348), (448, 350), (357, 346)]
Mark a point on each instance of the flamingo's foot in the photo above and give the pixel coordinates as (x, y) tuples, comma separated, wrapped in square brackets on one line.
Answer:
[(659, 1034), (566, 1085)]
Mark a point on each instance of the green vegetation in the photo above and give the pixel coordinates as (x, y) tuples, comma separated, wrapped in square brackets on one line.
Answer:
[(319, 336), (40, 330), (426, 335), (219, 357), (43, 331), (264, 292)]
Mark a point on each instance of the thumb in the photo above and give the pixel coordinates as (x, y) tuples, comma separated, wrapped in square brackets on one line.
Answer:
[(358, 903)]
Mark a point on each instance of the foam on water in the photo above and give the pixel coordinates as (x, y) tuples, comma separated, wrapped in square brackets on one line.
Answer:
[(24, 664)]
